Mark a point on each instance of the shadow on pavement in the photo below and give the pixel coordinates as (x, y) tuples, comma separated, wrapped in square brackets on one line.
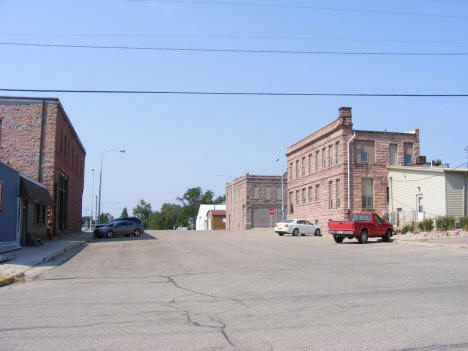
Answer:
[(143, 236)]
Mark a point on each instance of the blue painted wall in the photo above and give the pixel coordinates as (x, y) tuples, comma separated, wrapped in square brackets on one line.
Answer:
[(9, 214)]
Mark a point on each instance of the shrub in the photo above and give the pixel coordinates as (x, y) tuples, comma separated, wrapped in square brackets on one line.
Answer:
[(445, 223), (440, 223), (405, 229), (411, 228), (421, 226), (428, 224), (464, 222)]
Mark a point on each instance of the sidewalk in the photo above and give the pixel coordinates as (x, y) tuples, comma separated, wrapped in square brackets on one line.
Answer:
[(31, 256)]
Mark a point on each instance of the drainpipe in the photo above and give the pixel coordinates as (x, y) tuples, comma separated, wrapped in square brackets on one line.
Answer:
[(41, 142), (349, 199)]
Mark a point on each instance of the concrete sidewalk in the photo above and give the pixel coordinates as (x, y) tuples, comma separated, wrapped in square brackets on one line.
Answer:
[(31, 256)]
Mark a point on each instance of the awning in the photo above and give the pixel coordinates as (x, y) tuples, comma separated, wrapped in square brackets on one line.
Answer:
[(34, 191)]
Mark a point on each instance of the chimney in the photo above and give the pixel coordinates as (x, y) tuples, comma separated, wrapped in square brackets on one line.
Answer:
[(345, 114)]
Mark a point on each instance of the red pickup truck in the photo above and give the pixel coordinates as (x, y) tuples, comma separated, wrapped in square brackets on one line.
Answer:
[(361, 225)]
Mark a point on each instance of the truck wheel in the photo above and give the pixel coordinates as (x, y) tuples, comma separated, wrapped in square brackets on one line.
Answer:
[(295, 232), (388, 236), (362, 238), (338, 239)]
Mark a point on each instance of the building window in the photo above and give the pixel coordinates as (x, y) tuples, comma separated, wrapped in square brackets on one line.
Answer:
[(330, 194), (317, 192), (324, 158), (338, 193), (303, 166), (367, 193), (330, 155), (364, 151), (62, 201), (297, 197), (255, 192), (278, 193), (304, 195), (408, 153), (291, 201), (311, 198), (267, 193), (317, 161), (297, 168), (392, 151), (338, 153), (290, 171), (0, 131), (311, 161), (39, 214), (1, 196)]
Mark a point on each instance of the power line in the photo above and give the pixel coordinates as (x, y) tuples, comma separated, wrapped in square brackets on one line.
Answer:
[(240, 51), (240, 93), (289, 6)]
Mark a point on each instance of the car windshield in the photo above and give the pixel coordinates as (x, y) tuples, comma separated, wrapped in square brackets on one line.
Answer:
[(360, 218)]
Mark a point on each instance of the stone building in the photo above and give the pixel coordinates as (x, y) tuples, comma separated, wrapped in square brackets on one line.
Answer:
[(254, 197), (335, 158), (38, 139)]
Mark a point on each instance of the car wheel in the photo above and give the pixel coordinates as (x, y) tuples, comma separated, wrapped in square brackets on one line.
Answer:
[(280, 234), (317, 232), (388, 236), (362, 238), (110, 234), (137, 232), (338, 239), (295, 232)]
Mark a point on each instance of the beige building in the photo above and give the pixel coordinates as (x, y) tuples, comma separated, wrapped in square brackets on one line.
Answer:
[(421, 192), (321, 165)]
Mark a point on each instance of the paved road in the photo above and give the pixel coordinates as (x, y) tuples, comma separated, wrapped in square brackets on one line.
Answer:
[(242, 291)]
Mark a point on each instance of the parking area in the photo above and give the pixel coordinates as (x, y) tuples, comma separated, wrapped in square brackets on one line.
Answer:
[(243, 290)]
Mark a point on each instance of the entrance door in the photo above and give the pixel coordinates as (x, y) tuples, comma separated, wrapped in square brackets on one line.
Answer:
[(419, 207)]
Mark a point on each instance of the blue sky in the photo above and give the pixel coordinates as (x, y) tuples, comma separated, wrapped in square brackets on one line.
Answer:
[(174, 142)]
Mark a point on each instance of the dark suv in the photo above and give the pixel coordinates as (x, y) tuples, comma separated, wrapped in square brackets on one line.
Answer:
[(120, 227), (132, 219)]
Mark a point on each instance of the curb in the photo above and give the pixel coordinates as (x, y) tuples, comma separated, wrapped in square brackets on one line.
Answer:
[(12, 278)]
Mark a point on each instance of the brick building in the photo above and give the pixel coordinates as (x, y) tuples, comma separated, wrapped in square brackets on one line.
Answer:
[(254, 196), (318, 169), (38, 139)]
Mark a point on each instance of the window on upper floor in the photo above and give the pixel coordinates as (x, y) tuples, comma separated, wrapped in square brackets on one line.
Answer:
[(338, 153), (290, 171), (330, 195), (392, 154), (311, 198), (304, 195), (364, 151), (338, 193), (255, 192), (278, 193), (330, 155), (297, 197), (317, 192), (267, 193), (317, 161), (303, 166), (324, 158), (297, 168), (311, 161), (408, 153)]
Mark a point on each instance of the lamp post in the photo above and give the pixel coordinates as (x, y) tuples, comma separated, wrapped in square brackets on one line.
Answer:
[(100, 181), (92, 203), (232, 196), (282, 188)]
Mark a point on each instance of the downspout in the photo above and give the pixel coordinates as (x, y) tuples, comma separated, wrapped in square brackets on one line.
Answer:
[(41, 142), (349, 198)]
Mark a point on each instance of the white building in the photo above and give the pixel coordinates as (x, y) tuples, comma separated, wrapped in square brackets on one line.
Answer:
[(202, 218), (416, 193)]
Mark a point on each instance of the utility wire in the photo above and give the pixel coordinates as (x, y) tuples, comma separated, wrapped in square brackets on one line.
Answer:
[(242, 93), (240, 51), (289, 6)]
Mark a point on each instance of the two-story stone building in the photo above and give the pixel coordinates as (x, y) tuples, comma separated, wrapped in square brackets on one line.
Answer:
[(38, 139), (254, 197), (337, 169)]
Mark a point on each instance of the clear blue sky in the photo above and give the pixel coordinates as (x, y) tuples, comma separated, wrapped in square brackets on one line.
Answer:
[(176, 142)]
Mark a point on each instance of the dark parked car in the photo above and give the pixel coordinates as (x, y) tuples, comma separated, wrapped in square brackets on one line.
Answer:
[(116, 228), (132, 219)]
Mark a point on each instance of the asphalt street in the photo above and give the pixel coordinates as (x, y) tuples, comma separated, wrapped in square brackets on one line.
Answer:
[(249, 290)]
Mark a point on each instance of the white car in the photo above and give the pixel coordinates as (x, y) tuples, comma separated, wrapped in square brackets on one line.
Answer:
[(296, 227)]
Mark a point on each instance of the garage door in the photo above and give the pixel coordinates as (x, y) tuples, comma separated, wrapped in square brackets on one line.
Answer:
[(261, 217)]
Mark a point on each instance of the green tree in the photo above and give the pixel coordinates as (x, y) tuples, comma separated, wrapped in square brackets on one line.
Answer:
[(143, 211), (220, 200), (104, 218), (191, 201), (124, 212), (166, 217), (85, 220)]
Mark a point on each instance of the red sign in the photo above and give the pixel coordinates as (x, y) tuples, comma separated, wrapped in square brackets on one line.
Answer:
[(271, 212)]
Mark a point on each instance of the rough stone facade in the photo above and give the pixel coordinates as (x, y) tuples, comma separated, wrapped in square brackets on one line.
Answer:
[(247, 200), (38, 139), (312, 174)]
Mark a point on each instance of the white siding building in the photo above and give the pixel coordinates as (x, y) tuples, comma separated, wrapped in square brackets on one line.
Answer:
[(416, 193), (202, 217)]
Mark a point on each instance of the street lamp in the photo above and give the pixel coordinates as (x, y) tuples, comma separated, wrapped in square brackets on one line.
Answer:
[(232, 196), (92, 202), (100, 180), (282, 188)]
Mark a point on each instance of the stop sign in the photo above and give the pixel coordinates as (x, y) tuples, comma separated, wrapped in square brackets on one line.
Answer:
[(271, 212)]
